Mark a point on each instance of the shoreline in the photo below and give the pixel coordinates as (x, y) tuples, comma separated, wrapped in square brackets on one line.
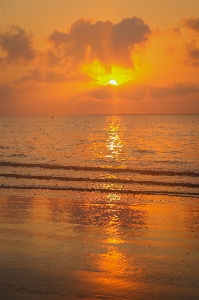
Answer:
[(85, 245)]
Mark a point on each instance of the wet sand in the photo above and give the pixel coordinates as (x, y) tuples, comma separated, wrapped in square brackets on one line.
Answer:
[(82, 245)]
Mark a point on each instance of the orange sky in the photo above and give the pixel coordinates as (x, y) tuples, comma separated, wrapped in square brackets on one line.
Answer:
[(93, 57)]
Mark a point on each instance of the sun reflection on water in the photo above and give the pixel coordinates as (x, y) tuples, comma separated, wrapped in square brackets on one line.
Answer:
[(108, 144), (113, 197), (114, 143)]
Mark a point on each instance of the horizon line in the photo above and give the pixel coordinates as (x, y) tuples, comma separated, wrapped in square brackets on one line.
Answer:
[(108, 114)]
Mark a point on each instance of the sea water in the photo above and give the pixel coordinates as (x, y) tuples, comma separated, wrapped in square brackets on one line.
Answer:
[(139, 154), (99, 207)]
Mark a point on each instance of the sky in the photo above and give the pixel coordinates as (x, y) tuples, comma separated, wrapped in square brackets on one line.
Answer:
[(63, 57)]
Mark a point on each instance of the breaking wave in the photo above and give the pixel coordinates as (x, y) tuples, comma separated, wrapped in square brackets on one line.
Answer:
[(37, 176), (97, 169)]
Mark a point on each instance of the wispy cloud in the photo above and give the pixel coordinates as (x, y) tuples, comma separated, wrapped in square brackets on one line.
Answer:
[(174, 90), (36, 75), (138, 92)]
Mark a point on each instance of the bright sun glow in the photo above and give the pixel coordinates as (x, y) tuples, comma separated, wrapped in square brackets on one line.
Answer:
[(113, 82), (103, 76)]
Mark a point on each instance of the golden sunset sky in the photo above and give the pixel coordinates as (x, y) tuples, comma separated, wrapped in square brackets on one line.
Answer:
[(99, 57)]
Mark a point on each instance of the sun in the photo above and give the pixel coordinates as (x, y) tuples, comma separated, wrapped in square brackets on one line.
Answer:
[(113, 82)]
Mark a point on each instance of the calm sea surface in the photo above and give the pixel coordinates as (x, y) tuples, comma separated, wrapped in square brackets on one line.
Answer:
[(99, 207), (140, 154)]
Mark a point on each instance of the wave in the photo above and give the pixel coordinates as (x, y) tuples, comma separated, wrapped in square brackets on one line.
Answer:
[(101, 169), (101, 190), (103, 180)]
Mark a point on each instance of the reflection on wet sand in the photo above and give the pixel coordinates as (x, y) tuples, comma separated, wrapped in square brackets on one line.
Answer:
[(91, 246), (17, 209)]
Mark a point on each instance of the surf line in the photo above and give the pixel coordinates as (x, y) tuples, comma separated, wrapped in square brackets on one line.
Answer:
[(101, 190), (105, 180), (96, 168)]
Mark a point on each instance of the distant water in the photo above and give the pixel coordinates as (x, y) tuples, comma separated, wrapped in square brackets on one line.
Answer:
[(140, 154)]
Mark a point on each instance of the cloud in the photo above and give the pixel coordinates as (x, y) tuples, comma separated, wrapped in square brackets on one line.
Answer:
[(175, 90), (51, 76), (36, 75), (131, 91), (32, 75), (53, 60), (192, 48), (128, 91), (192, 23), (138, 92), (102, 92), (54, 77), (17, 45), (192, 54), (109, 43)]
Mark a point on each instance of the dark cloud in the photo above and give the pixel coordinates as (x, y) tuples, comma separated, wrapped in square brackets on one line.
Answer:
[(192, 55), (175, 90), (55, 77), (192, 49), (137, 92), (192, 23), (36, 75), (132, 91), (58, 38), (128, 91), (32, 75), (53, 59), (103, 92), (109, 43), (17, 45)]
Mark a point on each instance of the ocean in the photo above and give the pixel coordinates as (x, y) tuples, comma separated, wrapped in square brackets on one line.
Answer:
[(99, 207), (130, 154)]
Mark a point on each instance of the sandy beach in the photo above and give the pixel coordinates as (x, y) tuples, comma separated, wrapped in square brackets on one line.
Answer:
[(81, 245)]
